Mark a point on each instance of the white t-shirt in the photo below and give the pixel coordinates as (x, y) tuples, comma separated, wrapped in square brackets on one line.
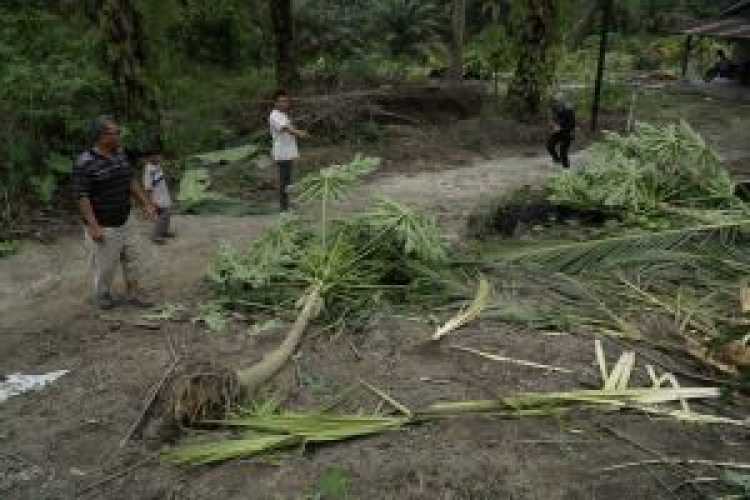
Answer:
[(154, 181), (284, 143)]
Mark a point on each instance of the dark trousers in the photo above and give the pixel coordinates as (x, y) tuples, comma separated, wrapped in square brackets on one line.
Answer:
[(285, 180), (161, 227), (563, 138)]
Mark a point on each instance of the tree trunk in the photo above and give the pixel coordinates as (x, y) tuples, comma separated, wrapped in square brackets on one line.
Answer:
[(121, 27), (458, 30), (584, 26), (535, 70), (283, 27)]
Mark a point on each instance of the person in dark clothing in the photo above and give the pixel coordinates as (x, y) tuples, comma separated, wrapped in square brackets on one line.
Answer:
[(724, 68), (564, 120), (103, 184)]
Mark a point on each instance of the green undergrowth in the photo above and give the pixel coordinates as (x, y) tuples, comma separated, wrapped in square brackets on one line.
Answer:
[(223, 182)]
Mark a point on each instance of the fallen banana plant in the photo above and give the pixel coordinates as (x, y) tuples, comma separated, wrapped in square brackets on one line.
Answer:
[(469, 314)]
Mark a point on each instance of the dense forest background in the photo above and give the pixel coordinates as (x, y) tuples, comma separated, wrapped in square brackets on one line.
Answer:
[(193, 71)]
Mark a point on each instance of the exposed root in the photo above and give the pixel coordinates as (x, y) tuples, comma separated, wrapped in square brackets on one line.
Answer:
[(202, 391)]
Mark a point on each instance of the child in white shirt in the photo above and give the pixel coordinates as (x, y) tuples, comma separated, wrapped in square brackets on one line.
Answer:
[(284, 137), (158, 192)]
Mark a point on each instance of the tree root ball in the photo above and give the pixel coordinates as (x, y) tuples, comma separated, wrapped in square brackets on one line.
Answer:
[(201, 391)]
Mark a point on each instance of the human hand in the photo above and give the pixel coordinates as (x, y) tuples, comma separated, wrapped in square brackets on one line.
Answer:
[(151, 211), (96, 232)]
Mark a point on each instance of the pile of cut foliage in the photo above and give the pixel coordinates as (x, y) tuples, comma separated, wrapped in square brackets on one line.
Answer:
[(668, 267), (389, 252), (646, 173)]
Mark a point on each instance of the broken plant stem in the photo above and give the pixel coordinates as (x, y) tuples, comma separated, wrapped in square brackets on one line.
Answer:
[(677, 461), (520, 362), (468, 315), (388, 399), (253, 377)]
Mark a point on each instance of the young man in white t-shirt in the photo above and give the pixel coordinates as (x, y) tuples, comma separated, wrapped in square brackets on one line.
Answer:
[(158, 193), (284, 137)]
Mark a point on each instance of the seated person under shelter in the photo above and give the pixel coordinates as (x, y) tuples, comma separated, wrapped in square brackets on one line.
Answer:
[(724, 68)]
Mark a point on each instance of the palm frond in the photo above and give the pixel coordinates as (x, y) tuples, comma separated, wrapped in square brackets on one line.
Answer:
[(333, 183), (585, 256), (221, 451), (418, 234)]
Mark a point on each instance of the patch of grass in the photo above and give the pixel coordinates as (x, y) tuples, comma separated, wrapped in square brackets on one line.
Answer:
[(213, 315), (8, 247), (334, 484)]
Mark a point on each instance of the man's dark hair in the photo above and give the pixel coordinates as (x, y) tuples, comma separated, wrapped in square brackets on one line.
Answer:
[(99, 125), (280, 93)]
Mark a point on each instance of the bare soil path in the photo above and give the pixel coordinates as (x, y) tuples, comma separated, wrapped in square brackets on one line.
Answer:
[(45, 285), (58, 443)]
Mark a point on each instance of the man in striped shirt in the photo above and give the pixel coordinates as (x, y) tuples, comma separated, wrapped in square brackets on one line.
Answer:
[(103, 183)]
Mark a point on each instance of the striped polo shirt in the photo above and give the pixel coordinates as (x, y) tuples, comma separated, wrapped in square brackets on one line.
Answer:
[(106, 183)]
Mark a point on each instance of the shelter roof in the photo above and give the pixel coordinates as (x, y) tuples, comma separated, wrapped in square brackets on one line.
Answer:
[(734, 27)]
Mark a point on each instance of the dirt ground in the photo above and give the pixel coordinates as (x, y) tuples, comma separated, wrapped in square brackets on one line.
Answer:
[(64, 442)]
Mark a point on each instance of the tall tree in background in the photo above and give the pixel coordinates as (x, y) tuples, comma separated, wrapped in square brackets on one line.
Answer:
[(125, 53), (458, 31), (283, 27), (535, 70)]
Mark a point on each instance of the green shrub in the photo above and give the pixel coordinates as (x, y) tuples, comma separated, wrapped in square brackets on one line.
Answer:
[(218, 32), (49, 90)]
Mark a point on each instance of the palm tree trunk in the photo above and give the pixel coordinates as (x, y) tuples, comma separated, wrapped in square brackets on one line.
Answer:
[(121, 28), (458, 31), (535, 70), (584, 26), (283, 27)]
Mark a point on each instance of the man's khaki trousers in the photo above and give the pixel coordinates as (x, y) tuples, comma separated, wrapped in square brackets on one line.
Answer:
[(118, 247)]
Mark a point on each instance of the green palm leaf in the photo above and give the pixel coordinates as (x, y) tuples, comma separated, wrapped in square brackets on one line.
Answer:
[(213, 452), (591, 255)]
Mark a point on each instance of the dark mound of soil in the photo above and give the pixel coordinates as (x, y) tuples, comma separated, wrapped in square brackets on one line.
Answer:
[(526, 208)]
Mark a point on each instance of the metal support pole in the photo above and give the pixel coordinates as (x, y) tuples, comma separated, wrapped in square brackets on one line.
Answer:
[(606, 21), (686, 55)]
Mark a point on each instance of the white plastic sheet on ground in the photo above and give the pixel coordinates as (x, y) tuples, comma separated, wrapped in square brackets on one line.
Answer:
[(17, 383)]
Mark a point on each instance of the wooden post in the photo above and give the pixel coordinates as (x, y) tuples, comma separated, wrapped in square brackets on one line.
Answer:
[(606, 20), (686, 55)]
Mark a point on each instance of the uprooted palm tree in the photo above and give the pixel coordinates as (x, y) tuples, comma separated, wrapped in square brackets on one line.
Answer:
[(338, 270)]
